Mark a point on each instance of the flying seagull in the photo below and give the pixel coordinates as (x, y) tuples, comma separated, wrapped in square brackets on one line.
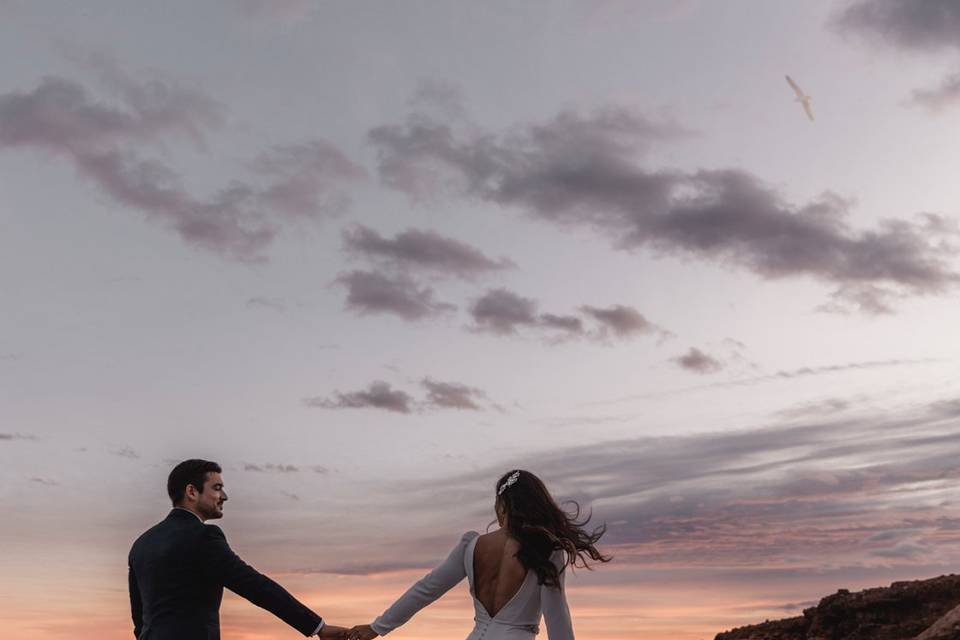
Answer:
[(802, 98)]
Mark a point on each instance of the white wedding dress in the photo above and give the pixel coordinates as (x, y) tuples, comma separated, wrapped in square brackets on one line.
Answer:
[(519, 619)]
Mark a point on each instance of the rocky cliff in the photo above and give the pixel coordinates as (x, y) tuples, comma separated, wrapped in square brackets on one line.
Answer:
[(919, 609)]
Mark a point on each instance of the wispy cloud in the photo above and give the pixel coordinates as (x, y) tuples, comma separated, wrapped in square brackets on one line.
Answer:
[(783, 374), (270, 468), (422, 249), (451, 395), (372, 292), (104, 141), (381, 395), (378, 395), (585, 171), (16, 436)]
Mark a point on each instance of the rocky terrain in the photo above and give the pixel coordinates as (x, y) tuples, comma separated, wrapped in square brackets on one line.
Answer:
[(915, 610)]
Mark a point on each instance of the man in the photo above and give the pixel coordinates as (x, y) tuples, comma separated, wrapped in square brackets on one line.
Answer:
[(179, 567)]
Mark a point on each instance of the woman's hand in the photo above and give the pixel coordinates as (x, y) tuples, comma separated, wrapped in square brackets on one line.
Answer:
[(362, 632)]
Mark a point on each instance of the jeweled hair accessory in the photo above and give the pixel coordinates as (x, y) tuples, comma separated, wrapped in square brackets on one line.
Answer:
[(511, 480)]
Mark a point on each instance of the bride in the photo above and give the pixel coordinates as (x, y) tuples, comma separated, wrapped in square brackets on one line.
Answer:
[(516, 573)]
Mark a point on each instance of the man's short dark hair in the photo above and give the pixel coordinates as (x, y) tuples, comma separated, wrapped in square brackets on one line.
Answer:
[(189, 472)]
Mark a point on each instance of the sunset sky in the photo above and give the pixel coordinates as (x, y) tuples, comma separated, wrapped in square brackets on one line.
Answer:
[(371, 255)]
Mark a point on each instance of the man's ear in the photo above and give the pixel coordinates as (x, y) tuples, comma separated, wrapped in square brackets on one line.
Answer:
[(191, 493)]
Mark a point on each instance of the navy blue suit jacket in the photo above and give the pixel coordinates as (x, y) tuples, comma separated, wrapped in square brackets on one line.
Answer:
[(178, 569)]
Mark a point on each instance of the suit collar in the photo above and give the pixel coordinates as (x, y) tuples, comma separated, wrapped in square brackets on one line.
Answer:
[(183, 514)]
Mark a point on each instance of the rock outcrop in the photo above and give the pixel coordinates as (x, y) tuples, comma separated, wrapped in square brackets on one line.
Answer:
[(919, 609)]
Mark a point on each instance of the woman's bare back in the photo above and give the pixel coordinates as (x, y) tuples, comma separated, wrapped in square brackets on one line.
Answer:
[(498, 574)]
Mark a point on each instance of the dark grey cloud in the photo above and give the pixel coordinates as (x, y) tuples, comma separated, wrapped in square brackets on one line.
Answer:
[(698, 362), (422, 249), (576, 170), (371, 292), (126, 452), (569, 324), (104, 141), (452, 395), (911, 25), (624, 321), (503, 312), (45, 482), (270, 468), (379, 395)]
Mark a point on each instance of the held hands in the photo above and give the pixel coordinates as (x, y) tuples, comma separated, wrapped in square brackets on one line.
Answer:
[(361, 632), (333, 632)]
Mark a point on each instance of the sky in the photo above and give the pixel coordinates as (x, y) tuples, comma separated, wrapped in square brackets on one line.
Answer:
[(370, 256)]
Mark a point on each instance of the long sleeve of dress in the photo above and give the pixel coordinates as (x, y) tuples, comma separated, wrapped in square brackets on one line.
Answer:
[(556, 613), (426, 590)]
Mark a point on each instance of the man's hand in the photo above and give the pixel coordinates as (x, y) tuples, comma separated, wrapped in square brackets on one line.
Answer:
[(333, 632), (362, 632)]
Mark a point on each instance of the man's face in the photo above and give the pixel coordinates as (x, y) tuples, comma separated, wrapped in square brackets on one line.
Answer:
[(210, 502)]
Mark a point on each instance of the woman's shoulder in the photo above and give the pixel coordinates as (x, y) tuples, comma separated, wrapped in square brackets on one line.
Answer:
[(469, 536)]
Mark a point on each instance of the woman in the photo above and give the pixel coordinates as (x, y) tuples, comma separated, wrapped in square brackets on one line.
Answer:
[(515, 573)]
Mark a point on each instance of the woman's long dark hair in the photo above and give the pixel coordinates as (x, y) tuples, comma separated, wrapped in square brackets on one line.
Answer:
[(541, 527)]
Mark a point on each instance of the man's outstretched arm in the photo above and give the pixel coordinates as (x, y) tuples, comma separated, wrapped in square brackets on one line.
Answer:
[(226, 567)]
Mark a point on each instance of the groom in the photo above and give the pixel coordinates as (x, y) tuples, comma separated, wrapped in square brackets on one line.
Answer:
[(179, 567)]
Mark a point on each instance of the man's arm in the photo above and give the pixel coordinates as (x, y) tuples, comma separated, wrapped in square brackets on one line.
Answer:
[(226, 567), (136, 604)]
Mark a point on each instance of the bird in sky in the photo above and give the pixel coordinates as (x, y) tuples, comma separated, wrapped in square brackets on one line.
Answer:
[(802, 98)]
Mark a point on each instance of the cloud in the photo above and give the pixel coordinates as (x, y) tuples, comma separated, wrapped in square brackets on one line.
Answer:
[(947, 94), (503, 312), (911, 25), (104, 142), (371, 292), (585, 171), (379, 395), (126, 452), (45, 482), (16, 436), (698, 362), (783, 374), (451, 395), (274, 468), (305, 178), (622, 320), (570, 324), (422, 249), (266, 303), (819, 408)]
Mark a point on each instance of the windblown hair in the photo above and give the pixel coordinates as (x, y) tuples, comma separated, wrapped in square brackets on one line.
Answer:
[(541, 527)]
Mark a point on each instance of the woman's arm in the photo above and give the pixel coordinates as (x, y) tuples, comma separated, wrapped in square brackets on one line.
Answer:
[(427, 589), (556, 613)]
